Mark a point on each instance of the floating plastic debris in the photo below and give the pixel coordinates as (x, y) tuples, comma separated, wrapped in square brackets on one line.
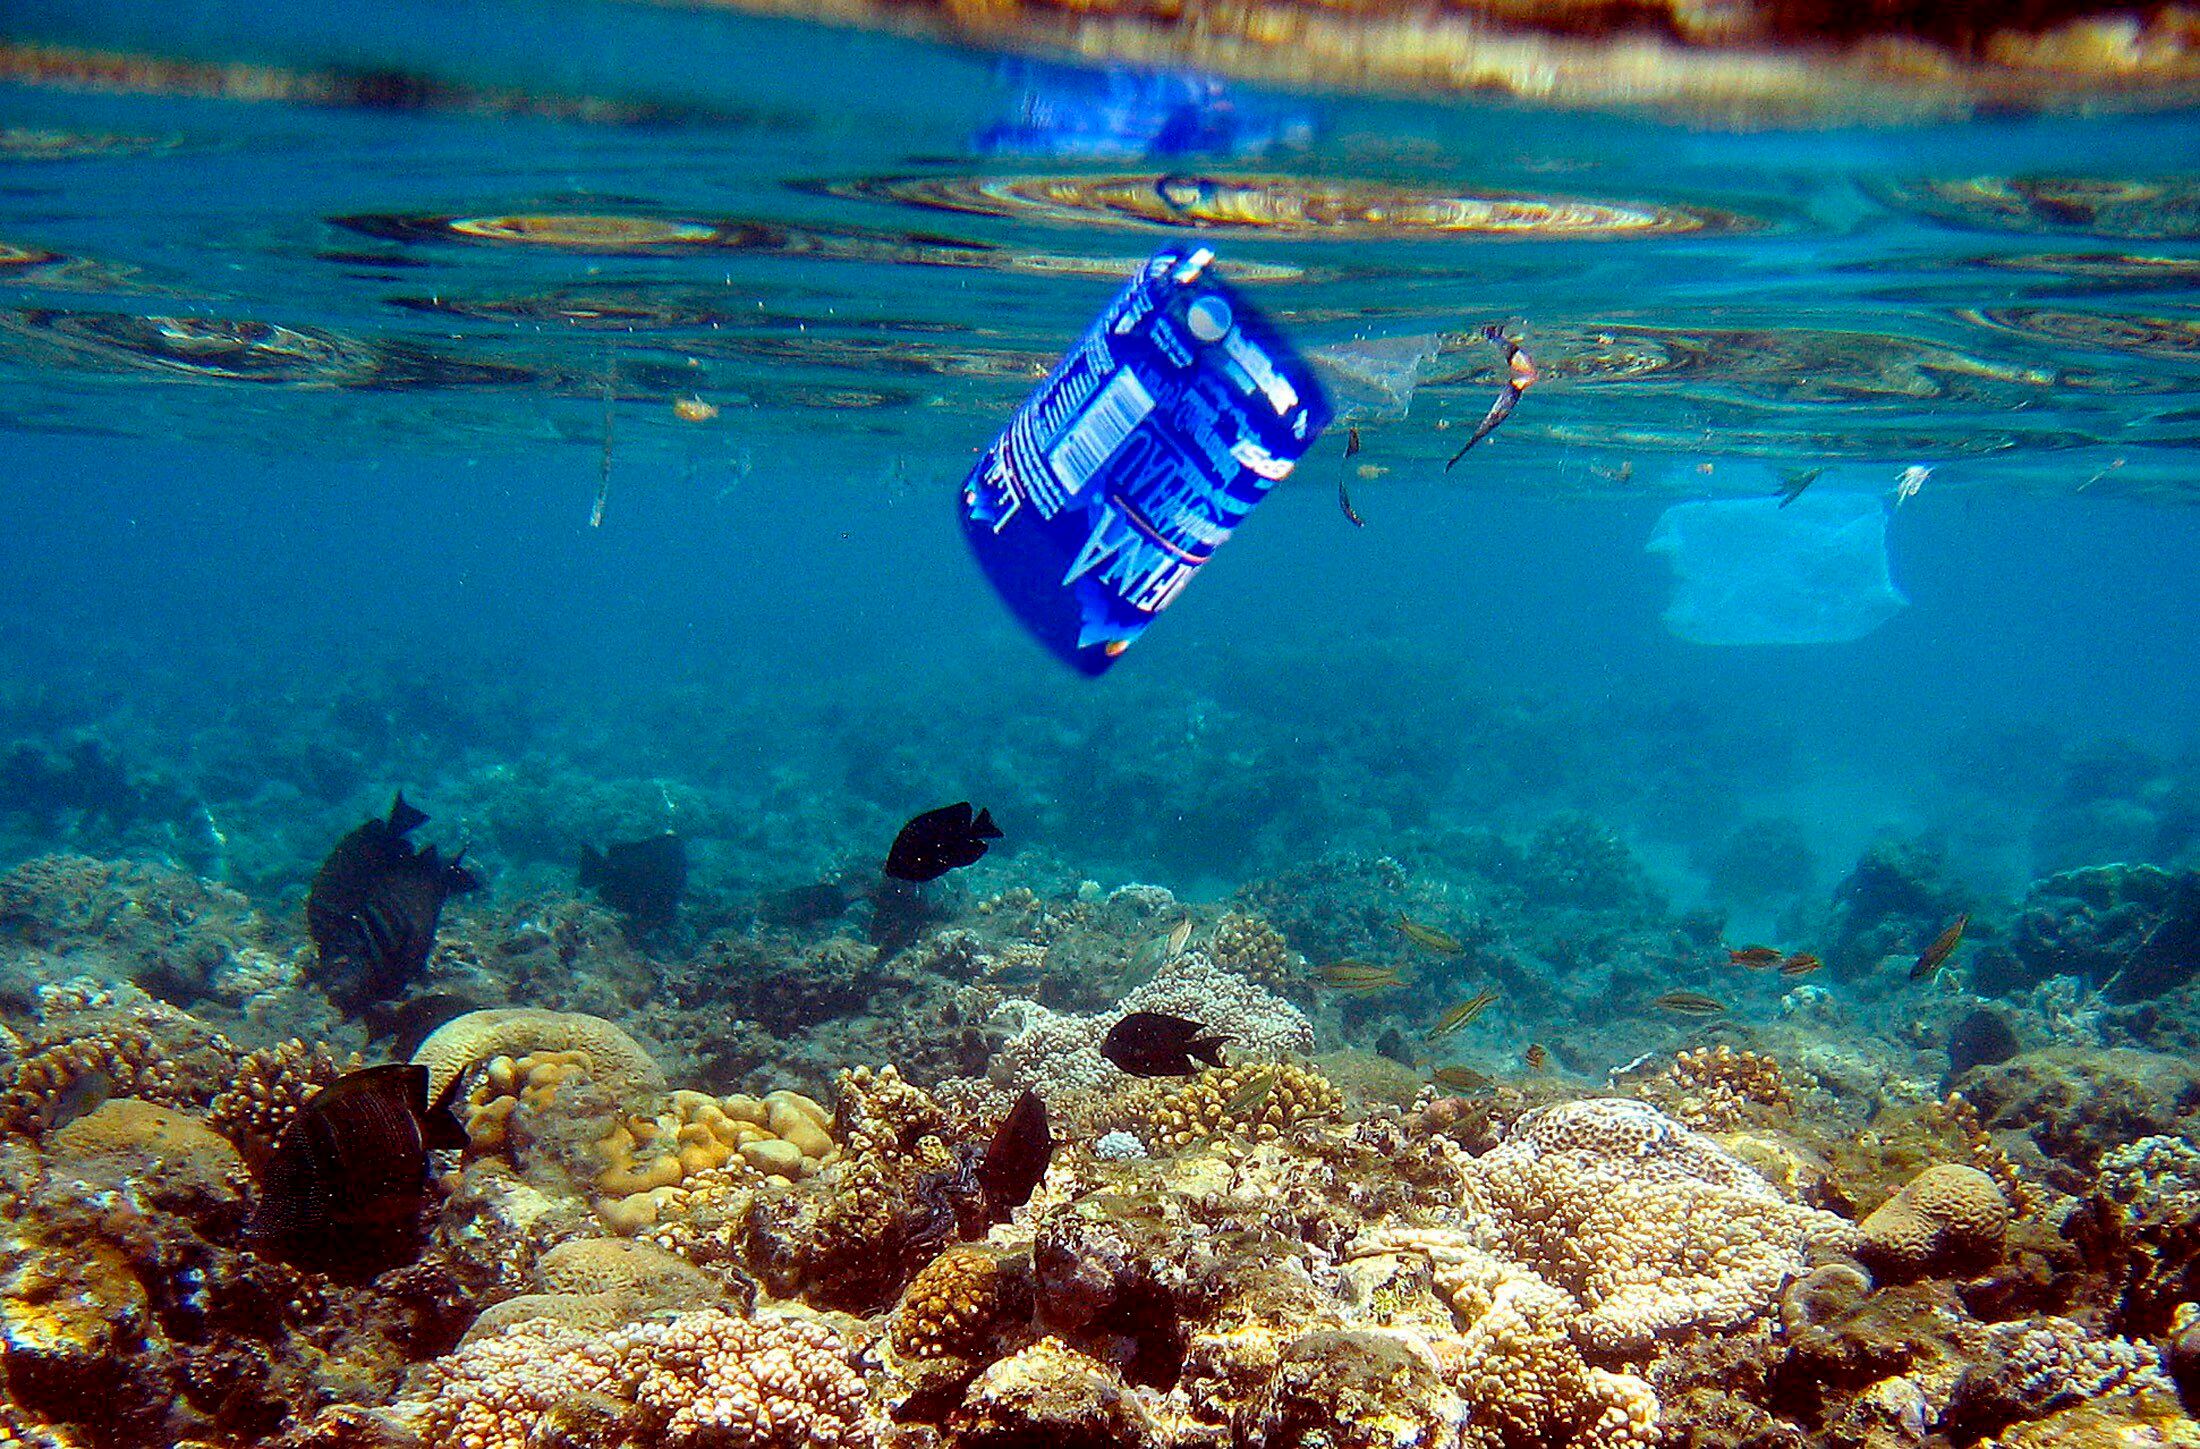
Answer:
[(1119, 112), (1175, 414), (1748, 571)]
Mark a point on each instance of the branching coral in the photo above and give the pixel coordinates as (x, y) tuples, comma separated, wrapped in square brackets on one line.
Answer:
[(128, 1058), (1253, 949), (706, 1378), (1254, 1100), (269, 1087), (1655, 1228), (1716, 1089)]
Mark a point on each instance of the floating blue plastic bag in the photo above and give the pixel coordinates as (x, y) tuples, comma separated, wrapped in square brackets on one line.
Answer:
[(1747, 571), (1178, 411)]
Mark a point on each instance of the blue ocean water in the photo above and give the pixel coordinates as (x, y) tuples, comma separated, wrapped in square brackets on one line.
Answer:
[(402, 481)]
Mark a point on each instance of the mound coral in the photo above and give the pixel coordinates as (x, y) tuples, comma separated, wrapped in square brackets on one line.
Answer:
[(956, 1304), (1253, 1100), (615, 1061), (702, 1378), (1654, 1227), (595, 1284), (652, 1163), (1947, 1219)]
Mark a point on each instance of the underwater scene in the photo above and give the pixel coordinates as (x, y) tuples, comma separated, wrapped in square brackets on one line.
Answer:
[(622, 823)]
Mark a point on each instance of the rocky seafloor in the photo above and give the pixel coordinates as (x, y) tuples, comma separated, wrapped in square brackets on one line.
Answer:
[(711, 1190)]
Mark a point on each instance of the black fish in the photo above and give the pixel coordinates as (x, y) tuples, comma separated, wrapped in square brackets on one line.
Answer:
[(344, 1185), (374, 906), (806, 905), (1016, 1158), (1155, 1044), (640, 879), (939, 841)]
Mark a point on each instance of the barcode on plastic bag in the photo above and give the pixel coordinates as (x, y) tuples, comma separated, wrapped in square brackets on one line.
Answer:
[(1094, 437)]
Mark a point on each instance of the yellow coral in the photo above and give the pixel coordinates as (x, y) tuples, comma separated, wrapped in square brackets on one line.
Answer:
[(1251, 947), (881, 1113), (1255, 1100), (1716, 1089), (651, 1164), (128, 1057), (616, 1062), (1947, 1217), (270, 1085), (952, 1306)]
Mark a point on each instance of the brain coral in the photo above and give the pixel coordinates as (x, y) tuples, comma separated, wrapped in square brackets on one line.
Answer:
[(1654, 1227), (703, 1378), (616, 1062), (1947, 1219), (1254, 1100)]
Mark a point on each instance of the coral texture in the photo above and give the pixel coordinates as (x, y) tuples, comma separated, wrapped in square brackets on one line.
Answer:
[(616, 1062), (1946, 1219)]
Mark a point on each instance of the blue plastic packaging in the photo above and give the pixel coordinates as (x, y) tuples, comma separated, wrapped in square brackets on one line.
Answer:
[(1120, 476), (1122, 113)]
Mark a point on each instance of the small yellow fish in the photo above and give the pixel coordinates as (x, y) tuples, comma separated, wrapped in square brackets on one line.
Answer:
[(1428, 937), (1802, 963), (1353, 975), (1536, 1056), (1461, 1079), (1461, 1014), (1251, 1096), (694, 410), (1689, 1003)]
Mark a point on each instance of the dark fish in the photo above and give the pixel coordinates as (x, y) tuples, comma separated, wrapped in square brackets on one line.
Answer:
[(1344, 488), (1520, 377), (1756, 958), (1155, 1044), (1931, 958), (344, 1186), (1017, 1157), (806, 905), (374, 906), (1689, 1003), (640, 879), (86, 1093), (939, 841), (1794, 481)]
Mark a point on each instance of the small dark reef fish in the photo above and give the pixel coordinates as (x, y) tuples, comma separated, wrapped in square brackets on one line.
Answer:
[(1016, 1159), (939, 841), (374, 906), (640, 879), (1156, 1044), (343, 1188)]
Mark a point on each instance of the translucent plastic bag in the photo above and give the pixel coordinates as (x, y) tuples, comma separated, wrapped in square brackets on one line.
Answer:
[(1748, 571)]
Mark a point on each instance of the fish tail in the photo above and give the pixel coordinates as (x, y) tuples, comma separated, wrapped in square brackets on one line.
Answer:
[(1207, 1049)]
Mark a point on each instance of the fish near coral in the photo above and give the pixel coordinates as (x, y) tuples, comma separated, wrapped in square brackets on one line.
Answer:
[(1689, 1003), (1461, 1014), (1933, 957), (1802, 963), (640, 879), (1016, 1159), (1354, 975), (938, 841), (374, 905), (1156, 1044), (343, 1188)]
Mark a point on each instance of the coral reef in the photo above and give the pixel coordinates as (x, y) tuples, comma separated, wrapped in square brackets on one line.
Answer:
[(1253, 1101), (1945, 1221), (614, 1061)]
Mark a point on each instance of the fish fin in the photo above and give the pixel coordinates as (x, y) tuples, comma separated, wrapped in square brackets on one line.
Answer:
[(457, 879), (984, 828), (405, 818), (1207, 1049), (440, 1128)]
